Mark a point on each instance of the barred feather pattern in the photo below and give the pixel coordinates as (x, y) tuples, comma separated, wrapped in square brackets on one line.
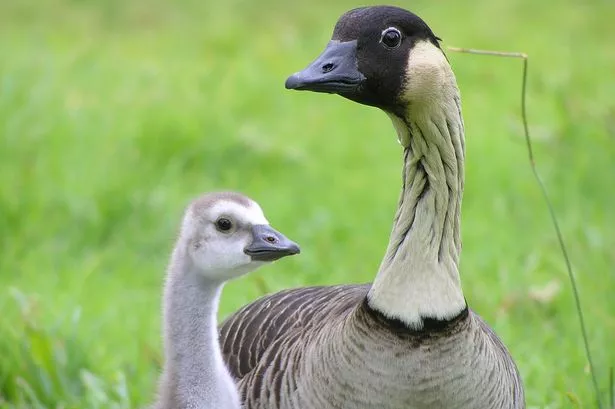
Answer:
[(323, 347)]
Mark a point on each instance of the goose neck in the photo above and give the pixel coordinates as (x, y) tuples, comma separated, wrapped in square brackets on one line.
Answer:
[(419, 275), (194, 373)]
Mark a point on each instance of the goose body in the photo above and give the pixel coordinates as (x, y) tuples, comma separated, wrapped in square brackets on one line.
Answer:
[(408, 340), (223, 236)]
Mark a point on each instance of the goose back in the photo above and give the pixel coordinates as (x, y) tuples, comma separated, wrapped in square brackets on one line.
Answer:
[(324, 347)]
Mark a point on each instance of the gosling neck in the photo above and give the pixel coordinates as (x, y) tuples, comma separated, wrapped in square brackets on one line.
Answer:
[(194, 373), (418, 278)]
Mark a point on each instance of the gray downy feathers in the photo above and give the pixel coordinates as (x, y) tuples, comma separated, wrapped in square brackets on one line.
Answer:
[(223, 236)]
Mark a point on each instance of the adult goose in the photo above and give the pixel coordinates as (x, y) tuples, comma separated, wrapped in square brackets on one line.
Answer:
[(408, 340), (223, 236)]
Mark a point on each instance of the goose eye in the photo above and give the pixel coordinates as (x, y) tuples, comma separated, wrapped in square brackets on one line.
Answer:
[(223, 224), (391, 37)]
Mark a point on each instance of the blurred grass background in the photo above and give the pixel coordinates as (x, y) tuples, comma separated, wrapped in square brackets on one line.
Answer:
[(114, 114)]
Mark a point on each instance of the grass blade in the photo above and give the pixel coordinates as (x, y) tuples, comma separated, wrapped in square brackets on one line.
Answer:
[(560, 238), (611, 389)]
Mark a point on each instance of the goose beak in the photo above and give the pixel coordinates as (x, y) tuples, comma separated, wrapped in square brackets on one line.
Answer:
[(334, 71), (268, 244)]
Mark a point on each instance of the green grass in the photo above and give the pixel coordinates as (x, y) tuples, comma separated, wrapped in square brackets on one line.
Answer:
[(114, 114)]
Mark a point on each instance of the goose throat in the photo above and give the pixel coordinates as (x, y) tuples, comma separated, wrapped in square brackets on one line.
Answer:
[(418, 277), (194, 369)]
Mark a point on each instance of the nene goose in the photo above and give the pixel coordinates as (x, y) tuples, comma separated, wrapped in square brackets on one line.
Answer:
[(223, 235), (408, 340)]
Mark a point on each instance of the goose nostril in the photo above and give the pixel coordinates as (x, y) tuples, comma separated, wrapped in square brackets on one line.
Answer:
[(271, 239), (327, 67)]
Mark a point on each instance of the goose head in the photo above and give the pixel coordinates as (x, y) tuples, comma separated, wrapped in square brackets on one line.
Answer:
[(226, 235), (380, 56)]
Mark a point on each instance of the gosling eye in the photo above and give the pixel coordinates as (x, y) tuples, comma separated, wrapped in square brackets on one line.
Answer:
[(391, 37), (224, 225)]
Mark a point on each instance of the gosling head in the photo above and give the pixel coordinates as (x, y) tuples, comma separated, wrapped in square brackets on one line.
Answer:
[(380, 56), (226, 235)]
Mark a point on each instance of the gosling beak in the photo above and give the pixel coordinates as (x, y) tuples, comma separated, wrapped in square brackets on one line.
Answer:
[(334, 71), (268, 244)]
